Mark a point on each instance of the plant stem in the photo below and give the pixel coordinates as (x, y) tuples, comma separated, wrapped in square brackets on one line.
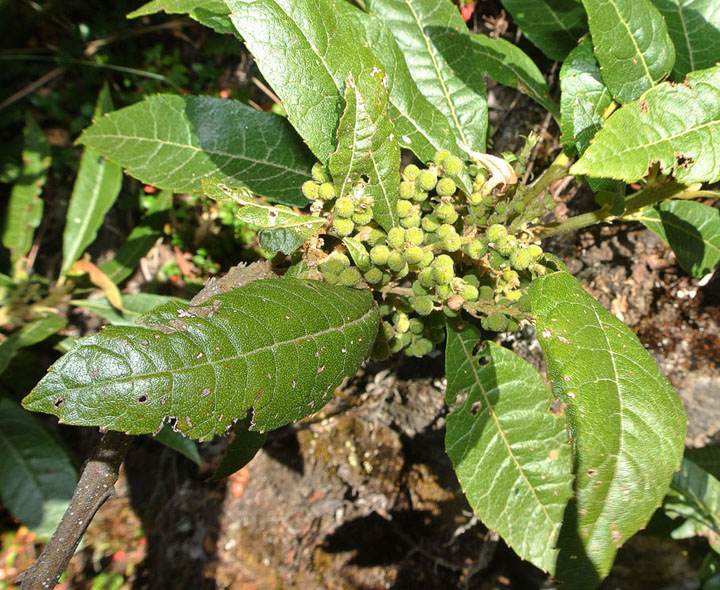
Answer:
[(633, 203), (93, 490), (556, 171)]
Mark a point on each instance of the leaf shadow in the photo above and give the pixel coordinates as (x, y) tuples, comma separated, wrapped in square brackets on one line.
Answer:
[(686, 242)]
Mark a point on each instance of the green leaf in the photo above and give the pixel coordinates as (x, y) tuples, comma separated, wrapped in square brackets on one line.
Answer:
[(631, 44), (274, 347), (174, 142), (510, 453), (134, 305), (367, 146), (283, 228), (707, 458), (96, 187), (583, 99), (142, 237), (694, 27), (673, 124), (243, 447), (211, 13), (304, 50), (359, 253), (553, 25), (691, 229), (421, 127), (626, 422), (37, 476), (31, 333), (178, 443), (25, 207), (509, 65), (415, 24), (695, 495)]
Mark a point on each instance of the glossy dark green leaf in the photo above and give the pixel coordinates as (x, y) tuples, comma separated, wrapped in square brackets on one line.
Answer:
[(509, 65), (31, 333), (142, 237), (243, 447), (584, 97), (304, 50), (675, 125), (694, 27), (695, 496), (37, 475), (510, 452), (275, 347), (25, 207), (414, 24), (211, 13), (174, 142), (631, 44), (707, 458), (553, 25), (96, 187), (691, 229), (178, 443), (626, 422), (367, 150), (134, 305)]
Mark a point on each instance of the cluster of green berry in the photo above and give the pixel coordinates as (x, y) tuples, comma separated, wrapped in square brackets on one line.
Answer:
[(451, 251)]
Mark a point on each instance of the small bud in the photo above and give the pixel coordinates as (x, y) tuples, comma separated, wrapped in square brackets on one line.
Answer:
[(423, 305), (344, 207), (446, 212), (411, 172), (379, 254), (311, 190), (414, 236), (407, 189), (326, 192), (374, 276), (349, 277), (320, 173), (414, 254), (396, 237), (453, 165), (396, 261), (506, 245), (495, 232), (343, 227), (445, 187), (427, 179), (441, 156)]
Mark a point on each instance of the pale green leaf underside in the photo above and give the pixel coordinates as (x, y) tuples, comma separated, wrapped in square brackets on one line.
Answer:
[(553, 25), (276, 348), (691, 229), (178, 443), (675, 125), (367, 146), (211, 13), (25, 207), (584, 97), (631, 44), (174, 142), (414, 24), (304, 50), (37, 476), (96, 187), (707, 458), (627, 423), (511, 455), (694, 27)]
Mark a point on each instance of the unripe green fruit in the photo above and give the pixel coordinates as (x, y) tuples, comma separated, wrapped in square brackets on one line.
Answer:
[(445, 187), (443, 274), (452, 243), (423, 305), (418, 289), (349, 277), (374, 276), (419, 196), (344, 207), (535, 251), (496, 322), (446, 213), (513, 295), (471, 280), (407, 189), (443, 291), (380, 351), (343, 227), (445, 230), (430, 223), (520, 259), (405, 208), (421, 347), (403, 272), (387, 331), (416, 326), (495, 232), (326, 191), (395, 345), (506, 245), (511, 278), (402, 322), (376, 236), (453, 165), (475, 249), (330, 277), (320, 173), (414, 236), (396, 261), (524, 304), (476, 198), (413, 220), (441, 156), (451, 313), (340, 257), (427, 259), (334, 267), (444, 261), (469, 293), (379, 254), (414, 254), (363, 218), (311, 190), (538, 269), (426, 180), (486, 292), (396, 237), (425, 277), (411, 172)]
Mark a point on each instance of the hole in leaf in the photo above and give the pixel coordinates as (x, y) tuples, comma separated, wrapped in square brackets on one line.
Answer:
[(475, 408), (142, 399), (591, 472), (684, 161), (557, 407), (59, 400), (643, 106)]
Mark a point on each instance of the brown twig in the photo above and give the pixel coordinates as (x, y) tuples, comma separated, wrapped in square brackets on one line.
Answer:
[(93, 490), (32, 87)]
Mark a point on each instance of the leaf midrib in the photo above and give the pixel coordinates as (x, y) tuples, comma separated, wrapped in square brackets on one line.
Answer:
[(634, 42), (660, 220)]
